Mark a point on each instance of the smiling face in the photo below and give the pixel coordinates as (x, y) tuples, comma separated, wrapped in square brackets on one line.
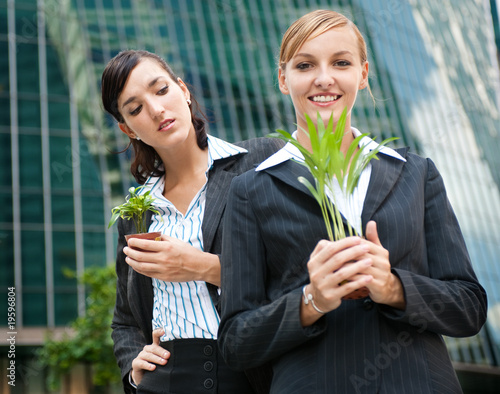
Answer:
[(154, 107), (324, 75)]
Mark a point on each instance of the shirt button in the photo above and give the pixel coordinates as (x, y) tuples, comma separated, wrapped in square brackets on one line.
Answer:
[(208, 384), (208, 366), (208, 350), (368, 304)]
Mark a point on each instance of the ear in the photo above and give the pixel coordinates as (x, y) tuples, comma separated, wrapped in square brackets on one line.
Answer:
[(282, 82), (123, 127), (184, 88), (364, 76)]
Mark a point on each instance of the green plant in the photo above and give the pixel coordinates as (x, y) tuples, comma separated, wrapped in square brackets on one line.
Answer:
[(327, 162), (134, 209), (90, 341)]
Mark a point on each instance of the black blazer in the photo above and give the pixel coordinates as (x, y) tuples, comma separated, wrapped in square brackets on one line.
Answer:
[(132, 320), (273, 224)]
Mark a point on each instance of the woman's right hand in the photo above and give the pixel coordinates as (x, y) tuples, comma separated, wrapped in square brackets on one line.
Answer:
[(330, 264), (149, 357)]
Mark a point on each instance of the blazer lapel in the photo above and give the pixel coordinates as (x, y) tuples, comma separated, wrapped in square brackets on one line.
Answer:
[(289, 172), (385, 173), (216, 197)]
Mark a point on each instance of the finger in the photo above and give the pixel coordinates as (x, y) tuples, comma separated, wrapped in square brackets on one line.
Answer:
[(355, 283), (349, 271), (372, 233), (157, 334), (346, 256), (326, 249), (143, 245), (154, 353), (148, 269), (139, 364)]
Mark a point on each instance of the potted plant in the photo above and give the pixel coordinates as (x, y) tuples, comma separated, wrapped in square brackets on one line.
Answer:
[(328, 163), (135, 208)]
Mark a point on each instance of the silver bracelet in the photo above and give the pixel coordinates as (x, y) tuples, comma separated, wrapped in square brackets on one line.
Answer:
[(309, 299)]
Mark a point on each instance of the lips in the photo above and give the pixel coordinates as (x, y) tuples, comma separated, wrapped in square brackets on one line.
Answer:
[(166, 124)]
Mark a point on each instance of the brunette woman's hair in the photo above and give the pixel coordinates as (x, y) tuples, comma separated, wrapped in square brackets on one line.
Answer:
[(146, 160)]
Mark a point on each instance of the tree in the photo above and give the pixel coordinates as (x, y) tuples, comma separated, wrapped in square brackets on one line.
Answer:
[(90, 342)]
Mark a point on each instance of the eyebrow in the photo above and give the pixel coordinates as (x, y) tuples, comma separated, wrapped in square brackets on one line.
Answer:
[(150, 84), (339, 53)]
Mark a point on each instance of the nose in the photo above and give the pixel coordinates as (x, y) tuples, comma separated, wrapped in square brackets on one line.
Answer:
[(155, 107), (324, 78)]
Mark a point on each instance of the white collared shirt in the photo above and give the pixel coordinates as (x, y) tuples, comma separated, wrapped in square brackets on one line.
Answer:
[(185, 309), (350, 206)]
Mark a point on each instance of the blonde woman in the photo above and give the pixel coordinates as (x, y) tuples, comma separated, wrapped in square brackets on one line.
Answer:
[(282, 298)]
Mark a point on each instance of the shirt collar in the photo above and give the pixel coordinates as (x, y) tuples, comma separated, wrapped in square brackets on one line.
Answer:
[(289, 151), (219, 149)]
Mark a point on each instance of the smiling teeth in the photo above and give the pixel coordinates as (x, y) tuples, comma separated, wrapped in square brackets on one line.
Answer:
[(165, 124), (323, 99)]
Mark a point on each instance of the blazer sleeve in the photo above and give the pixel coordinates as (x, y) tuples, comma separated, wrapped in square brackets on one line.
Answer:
[(448, 298), (253, 330), (127, 336)]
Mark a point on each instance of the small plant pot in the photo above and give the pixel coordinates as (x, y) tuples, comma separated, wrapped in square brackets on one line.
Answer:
[(357, 294), (154, 236)]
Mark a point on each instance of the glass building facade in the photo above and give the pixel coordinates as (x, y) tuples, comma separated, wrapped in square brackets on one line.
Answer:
[(435, 76)]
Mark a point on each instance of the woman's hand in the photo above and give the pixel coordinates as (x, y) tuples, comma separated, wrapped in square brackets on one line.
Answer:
[(149, 357), (385, 288), (172, 260), (329, 265)]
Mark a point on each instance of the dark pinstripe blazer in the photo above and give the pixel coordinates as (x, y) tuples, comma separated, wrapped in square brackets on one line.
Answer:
[(272, 226), (132, 320)]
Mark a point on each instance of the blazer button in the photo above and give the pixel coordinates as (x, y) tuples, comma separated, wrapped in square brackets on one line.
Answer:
[(208, 350), (368, 304), (208, 366), (208, 384)]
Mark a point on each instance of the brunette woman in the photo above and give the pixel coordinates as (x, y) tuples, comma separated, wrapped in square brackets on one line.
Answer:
[(172, 286)]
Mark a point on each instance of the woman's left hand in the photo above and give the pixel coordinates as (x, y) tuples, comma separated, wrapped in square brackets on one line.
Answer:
[(385, 288), (172, 260)]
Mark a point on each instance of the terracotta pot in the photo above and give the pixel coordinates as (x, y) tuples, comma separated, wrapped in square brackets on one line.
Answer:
[(357, 294), (154, 236)]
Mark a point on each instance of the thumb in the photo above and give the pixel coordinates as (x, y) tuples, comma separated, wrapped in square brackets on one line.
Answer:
[(372, 233)]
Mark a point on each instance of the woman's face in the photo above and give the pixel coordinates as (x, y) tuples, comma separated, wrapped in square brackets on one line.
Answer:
[(325, 75), (155, 107)]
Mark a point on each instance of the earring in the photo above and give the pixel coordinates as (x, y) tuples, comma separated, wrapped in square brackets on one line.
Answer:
[(137, 138), (188, 101)]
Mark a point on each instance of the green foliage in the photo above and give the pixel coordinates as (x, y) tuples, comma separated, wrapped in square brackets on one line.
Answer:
[(134, 209), (327, 162), (91, 339)]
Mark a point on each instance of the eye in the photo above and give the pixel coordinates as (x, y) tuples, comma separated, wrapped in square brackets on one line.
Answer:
[(163, 91), (135, 111), (303, 66), (342, 63)]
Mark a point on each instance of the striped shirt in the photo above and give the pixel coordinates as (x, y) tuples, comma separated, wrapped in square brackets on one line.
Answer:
[(185, 309), (350, 206)]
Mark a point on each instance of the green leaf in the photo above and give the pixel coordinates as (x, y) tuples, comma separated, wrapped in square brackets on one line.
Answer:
[(326, 161), (134, 208)]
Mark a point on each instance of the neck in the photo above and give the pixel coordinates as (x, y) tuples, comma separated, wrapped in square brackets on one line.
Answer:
[(184, 162), (347, 139)]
